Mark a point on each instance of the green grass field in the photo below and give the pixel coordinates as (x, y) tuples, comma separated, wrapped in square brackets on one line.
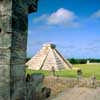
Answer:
[(87, 69)]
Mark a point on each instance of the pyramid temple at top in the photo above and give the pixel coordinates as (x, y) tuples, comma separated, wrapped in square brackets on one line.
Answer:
[(47, 58)]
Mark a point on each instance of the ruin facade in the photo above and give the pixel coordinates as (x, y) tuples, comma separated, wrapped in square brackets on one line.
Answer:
[(13, 43)]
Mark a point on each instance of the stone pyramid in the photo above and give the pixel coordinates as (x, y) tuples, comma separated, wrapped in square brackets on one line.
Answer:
[(47, 58)]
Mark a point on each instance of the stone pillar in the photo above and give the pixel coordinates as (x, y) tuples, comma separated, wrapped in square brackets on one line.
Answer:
[(13, 43)]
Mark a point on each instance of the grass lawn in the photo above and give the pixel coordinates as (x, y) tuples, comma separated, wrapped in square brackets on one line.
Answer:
[(87, 69)]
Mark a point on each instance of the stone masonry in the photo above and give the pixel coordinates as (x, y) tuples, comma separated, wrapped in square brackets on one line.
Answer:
[(47, 58), (13, 42)]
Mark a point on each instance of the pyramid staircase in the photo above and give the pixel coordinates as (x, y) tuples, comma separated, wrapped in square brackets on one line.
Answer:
[(47, 58), (38, 59)]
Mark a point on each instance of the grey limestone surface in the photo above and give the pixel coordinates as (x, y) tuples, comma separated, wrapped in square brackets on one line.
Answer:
[(13, 42)]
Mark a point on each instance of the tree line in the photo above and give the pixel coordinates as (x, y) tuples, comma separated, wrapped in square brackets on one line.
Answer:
[(83, 61)]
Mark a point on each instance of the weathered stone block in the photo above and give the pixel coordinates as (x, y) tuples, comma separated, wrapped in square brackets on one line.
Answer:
[(18, 57), (4, 82), (5, 56), (5, 40), (4, 72), (18, 71), (13, 40)]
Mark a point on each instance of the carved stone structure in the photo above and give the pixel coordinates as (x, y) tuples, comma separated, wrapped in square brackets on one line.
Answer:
[(47, 58), (13, 42)]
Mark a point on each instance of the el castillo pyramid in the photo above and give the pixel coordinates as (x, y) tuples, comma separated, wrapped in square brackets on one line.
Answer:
[(47, 58)]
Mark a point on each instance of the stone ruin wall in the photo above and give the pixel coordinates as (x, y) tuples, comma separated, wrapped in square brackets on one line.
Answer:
[(13, 42)]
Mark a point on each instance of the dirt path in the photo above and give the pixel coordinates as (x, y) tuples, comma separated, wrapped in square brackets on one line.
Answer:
[(79, 94)]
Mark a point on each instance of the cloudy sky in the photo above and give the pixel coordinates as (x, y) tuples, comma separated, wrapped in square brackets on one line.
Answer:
[(73, 25)]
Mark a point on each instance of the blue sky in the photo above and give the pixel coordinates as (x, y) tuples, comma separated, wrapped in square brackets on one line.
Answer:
[(73, 25)]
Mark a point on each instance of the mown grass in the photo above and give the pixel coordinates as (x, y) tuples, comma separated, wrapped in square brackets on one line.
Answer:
[(90, 69), (87, 69)]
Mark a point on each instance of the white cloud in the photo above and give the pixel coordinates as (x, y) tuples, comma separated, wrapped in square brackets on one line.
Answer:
[(96, 14), (60, 17)]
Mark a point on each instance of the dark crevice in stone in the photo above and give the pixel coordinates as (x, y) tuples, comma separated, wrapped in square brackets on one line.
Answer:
[(32, 8), (9, 32), (0, 30), (46, 91)]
